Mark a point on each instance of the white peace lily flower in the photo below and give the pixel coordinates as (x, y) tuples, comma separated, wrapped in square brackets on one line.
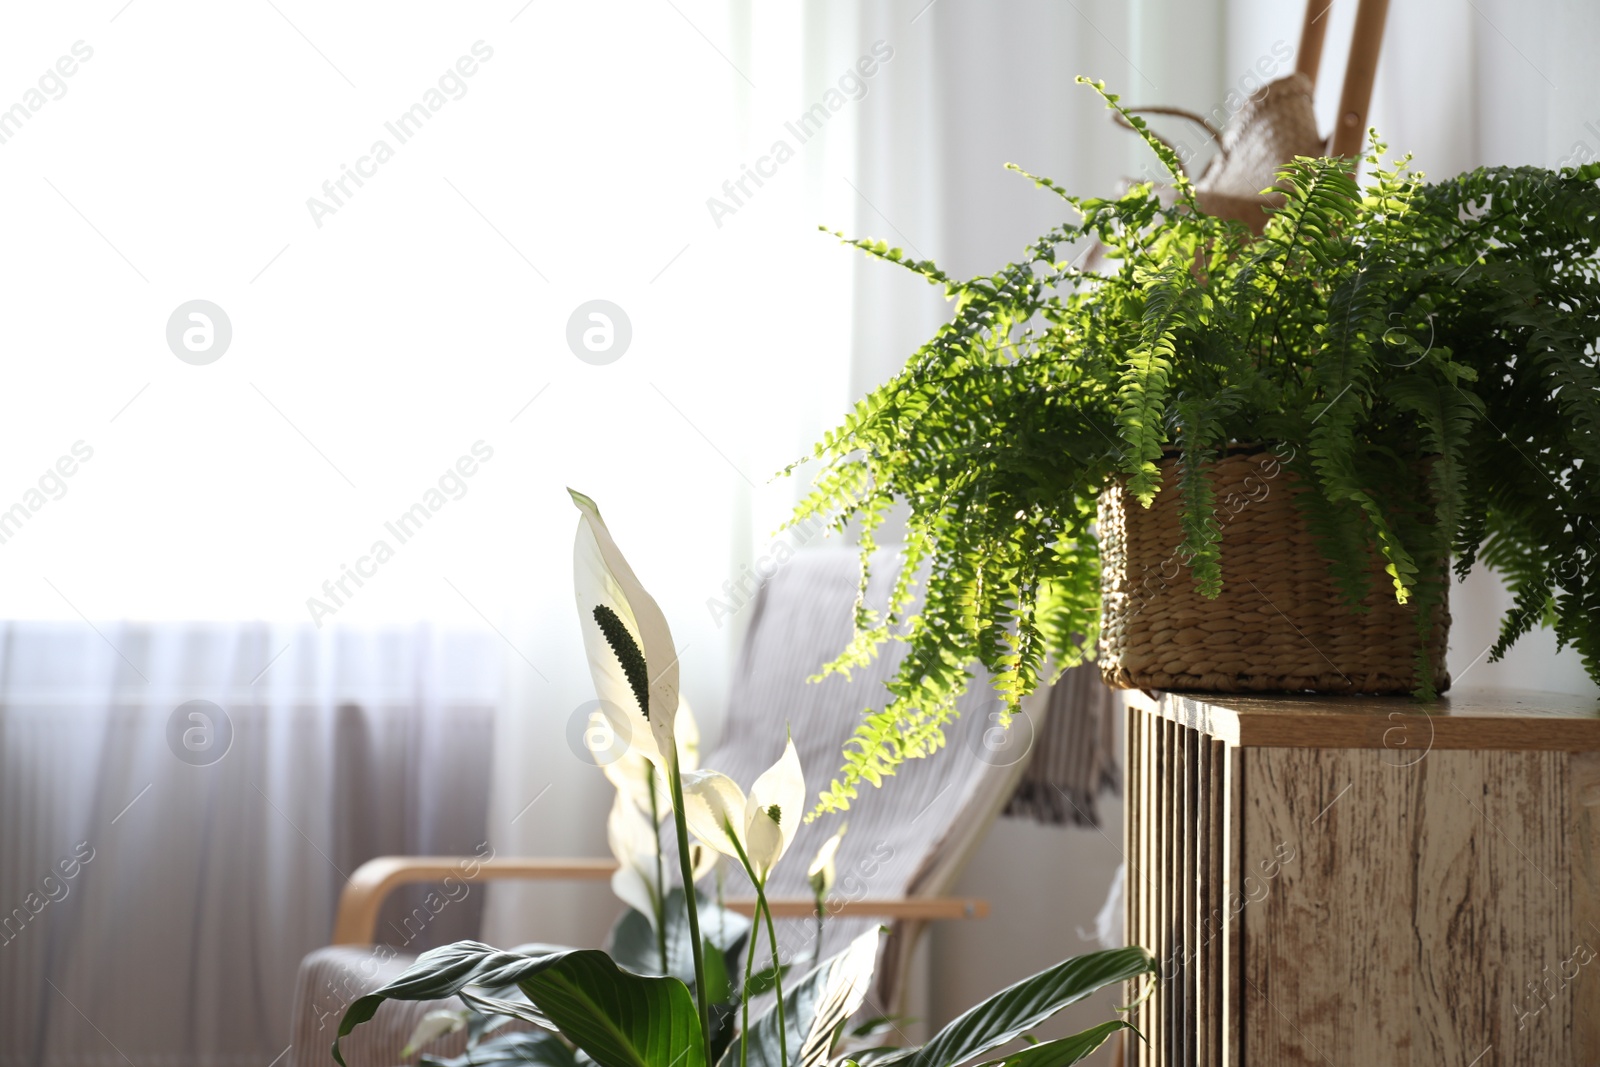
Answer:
[(823, 871), (633, 842), (602, 579), (702, 859), (433, 1025), (687, 731), (629, 771), (763, 824)]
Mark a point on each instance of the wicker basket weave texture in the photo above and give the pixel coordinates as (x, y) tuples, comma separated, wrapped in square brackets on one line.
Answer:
[(1280, 623)]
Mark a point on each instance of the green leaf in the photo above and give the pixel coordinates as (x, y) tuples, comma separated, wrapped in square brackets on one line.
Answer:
[(870, 1057), (510, 1004), (879, 1025), (633, 940), (619, 1018), (764, 980), (814, 1009), (480, 1026), (537, 1048), (633, 946), (1018, 1008), (1065, 1052)]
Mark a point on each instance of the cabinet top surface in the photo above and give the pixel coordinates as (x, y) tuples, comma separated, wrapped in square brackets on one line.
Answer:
[(1465, 719)]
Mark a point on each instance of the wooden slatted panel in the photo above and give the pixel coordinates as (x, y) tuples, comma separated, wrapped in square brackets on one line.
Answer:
[(1133, 880), (1583, 816), (1153, 904), (1176, 989), (1189, 831), (1152, 911), (1178, 788), (1166, 770), (1138, 863), (1181, 817), (1174, 917), (1233, 795), (1202, 906), (1216, 834)]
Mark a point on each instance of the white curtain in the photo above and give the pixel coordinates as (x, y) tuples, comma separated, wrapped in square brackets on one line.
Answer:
[(182, 805)]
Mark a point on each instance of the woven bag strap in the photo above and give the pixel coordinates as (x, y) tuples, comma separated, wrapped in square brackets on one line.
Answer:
[(1177, 112), (1355, 98)]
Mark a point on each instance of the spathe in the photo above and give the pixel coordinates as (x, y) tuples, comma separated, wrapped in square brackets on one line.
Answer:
[(762, 824), (603, 579)]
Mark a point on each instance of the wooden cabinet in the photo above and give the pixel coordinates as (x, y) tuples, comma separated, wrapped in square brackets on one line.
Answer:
[(1355, 881)]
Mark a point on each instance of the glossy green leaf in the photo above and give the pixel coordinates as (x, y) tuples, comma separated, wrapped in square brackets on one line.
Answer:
[(1018, 1008), (879, 1025), (814, 1010), (619, 1018), (535, 1048), (510, 1005), (1065, 1052), (633, 940), (633, 945), (763, 980)]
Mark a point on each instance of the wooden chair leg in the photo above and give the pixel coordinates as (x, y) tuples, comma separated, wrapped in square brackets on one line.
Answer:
[(1308, 60), (1350, 128)]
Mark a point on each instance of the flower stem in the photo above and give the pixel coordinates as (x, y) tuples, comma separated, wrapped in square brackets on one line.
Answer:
[(744, 998), (722, 913), (675, 783), (777, 972), (661, 881), (772, 937)]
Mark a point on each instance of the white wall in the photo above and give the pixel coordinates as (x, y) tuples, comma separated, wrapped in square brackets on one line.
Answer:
[(1046, 885)]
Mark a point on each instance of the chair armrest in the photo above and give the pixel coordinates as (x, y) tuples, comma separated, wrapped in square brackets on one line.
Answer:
[(374, 880), (894, 908)]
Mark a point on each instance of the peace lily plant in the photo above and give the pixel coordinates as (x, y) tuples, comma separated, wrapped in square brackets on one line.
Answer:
[(680, 966)]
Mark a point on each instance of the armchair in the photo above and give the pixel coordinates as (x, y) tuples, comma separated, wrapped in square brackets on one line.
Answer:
[(907, 842)]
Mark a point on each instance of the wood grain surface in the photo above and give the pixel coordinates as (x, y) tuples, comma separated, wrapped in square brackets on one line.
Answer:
[(1409, 902), (1472, 719)]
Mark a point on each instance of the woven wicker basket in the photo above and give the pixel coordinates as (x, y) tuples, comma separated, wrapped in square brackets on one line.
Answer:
[(1280, 623)]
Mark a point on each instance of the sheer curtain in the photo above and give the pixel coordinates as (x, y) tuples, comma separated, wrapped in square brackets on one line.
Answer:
[(182, 805)]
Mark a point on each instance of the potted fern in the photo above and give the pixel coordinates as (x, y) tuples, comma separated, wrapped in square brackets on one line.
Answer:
[(1231, 461)]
